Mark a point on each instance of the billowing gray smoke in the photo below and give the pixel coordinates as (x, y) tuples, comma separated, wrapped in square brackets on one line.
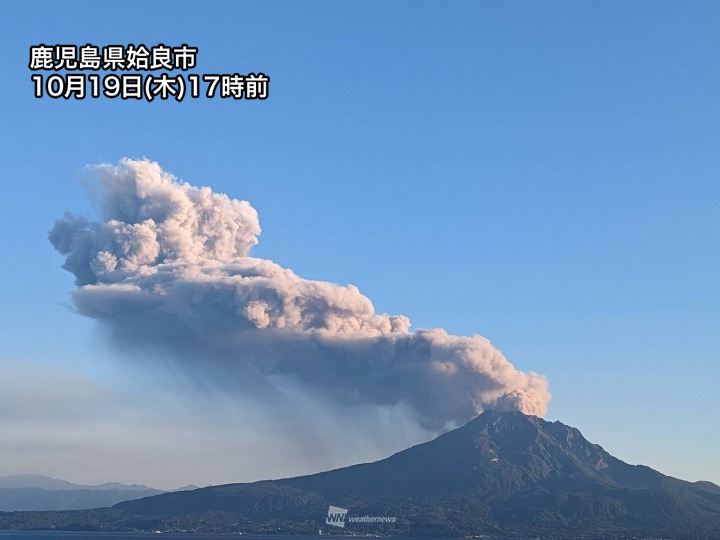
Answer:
[(167, 266)]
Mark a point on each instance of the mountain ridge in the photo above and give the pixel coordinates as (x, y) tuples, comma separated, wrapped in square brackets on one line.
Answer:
[(517, 469), (31, 480), (501, 474), (36, 492)]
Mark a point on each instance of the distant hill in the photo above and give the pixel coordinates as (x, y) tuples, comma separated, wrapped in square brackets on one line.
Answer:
[(502, 474), (31, 492), (52, 484)]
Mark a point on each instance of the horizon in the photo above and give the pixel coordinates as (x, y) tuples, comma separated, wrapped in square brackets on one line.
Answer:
[(472, 420), (381, 458), (533, 189)]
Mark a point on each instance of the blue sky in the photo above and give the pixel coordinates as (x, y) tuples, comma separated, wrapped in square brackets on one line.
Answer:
[(545, 175)]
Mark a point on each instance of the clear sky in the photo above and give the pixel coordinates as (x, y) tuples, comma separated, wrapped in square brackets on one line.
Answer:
[(544, 174)]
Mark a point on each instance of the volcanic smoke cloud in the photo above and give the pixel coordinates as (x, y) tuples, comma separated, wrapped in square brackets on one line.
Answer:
[(167, 266)]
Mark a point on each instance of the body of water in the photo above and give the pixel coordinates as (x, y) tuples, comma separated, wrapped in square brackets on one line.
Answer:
[(81, 535)]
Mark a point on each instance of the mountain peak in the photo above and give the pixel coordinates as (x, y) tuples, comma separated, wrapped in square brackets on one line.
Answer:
[(517, 429), (503, 471), (502, 418)]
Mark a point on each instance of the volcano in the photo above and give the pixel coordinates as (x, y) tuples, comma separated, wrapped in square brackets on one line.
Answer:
[(503, 474)]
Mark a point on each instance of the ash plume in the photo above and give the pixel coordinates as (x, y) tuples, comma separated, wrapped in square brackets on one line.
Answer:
[(166, 266)]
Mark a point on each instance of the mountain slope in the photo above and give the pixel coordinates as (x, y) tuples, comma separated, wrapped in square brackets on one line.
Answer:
[(32, 492), (35, 499), (501, 471), (503, 474)]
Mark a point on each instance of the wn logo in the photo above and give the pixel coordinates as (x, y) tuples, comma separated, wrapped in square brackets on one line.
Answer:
[(336, 516)]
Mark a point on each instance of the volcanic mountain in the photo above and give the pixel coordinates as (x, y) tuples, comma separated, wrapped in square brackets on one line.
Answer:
[(502, 471), (502, 474)]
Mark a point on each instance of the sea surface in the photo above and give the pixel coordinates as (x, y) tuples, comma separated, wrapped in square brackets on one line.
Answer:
[(82, 535), (67, 535)]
